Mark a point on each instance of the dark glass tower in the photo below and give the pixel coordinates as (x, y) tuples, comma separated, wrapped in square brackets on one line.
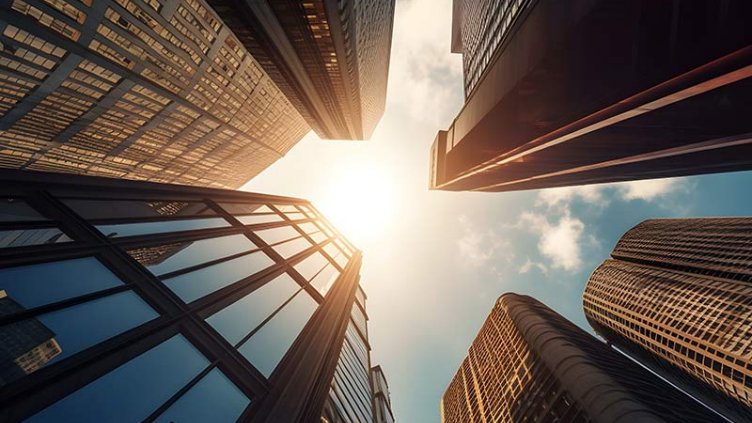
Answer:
[(174, 303), (329, 57), (579, 92), (677, 298), (528, 363)]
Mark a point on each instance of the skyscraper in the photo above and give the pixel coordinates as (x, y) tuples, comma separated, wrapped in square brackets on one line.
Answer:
[(330, 58), (677, 298), (382, 403), (579, 92), (176, 303), (528, 363)]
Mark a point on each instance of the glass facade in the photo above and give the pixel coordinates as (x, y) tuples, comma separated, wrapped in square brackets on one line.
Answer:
[(152, 90), (144, 314)]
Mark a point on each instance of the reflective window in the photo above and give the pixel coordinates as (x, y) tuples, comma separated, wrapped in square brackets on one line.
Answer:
[(16, 210), (162, 226), (193, 285), (132, 391), (312, 264), (253, 219), (324, 280), (274, 235), (23, 237), (19, 212), (44, 283), (123, 209), (244, 208), (290, 248), (318, 237), (266, 347), (360, 320), (243, 316), (213, 399), (295, 216), (167, 258), (360, 296), (286, 208)]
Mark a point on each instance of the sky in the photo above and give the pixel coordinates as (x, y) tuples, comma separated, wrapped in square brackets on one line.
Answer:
[(434, 262)]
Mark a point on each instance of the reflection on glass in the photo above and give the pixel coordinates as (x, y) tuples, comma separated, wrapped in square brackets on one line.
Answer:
[(360, 296), (290, 248), (245, 208), (16, 210), (325, 279), (124, 209), (281, 233), (177, 256), (309, 227), (44, 283), (266, 347), (259, 218), (286, 208), (360, 319), (240, 318), (312, 264), (213, 399), (193, 285), (22, 237), (295, 216), (318, 237), (132, 391), (336, 254), (142, 228)]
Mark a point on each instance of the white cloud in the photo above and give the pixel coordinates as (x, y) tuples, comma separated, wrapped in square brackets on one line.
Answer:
[(558, 241), (649, 190), (529, 265), (477, 247), (561, 196)]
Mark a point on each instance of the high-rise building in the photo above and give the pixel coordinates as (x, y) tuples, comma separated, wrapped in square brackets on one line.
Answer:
[(177, 303), (329, 57), (677, 298), (582, 91), (382, 403), (529, 363)]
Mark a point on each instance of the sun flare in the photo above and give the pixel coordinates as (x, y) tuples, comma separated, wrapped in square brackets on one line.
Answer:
[(359, 201)]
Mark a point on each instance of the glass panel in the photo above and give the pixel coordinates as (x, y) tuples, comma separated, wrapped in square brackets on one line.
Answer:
[(325, 279), (309, 227), (295, 216), (266, 347), (15, 210), (121, 209), (242, 208), (309, 267), (286, 208), (196, 284), (243, 316), (213, 399), (360, 320), (360, 295), (259, 218), (22, 237), (142, 228), (318, 237), (33, 343), (170, 257), (132, 391), (44, 283), (283, 233), (290, 248)]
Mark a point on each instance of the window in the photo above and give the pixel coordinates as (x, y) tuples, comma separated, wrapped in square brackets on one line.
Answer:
[(282, 233), (27, 226), (213, 399)]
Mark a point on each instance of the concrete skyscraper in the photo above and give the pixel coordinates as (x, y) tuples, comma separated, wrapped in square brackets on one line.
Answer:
[(529, 364), (677, 298), (579, 92), (176, 303)]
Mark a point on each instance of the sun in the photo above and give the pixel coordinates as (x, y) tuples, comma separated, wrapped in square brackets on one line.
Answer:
[(359, 201)]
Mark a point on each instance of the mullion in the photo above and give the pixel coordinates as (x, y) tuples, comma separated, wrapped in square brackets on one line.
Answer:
[(150, 219), (28, 224)]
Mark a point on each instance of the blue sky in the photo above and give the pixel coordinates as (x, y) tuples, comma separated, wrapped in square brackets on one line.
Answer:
[(435, 262)]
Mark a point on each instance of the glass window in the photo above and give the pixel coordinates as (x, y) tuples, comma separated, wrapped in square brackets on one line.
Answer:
[(44, 283), (132, 391), (167, 258), (123, 209), (243, 316), (290, 248), (309, 227), (325, 279), (193, 285), (16, 210), (274, 235), (360, 296), (23, 237), (312, 264), (242, 208), (318, 237), (360, 319), (253, 219), (213, 399), (162, 226), (286, 208), (31, 344), (295, 216), (266, 347)]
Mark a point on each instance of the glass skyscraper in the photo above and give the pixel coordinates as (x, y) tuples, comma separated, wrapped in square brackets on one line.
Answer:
[(529, 363), (677, 298), (136, 301), (581, 92)]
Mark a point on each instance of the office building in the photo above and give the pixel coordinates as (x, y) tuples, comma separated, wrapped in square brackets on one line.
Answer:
[(154, 90), (382, 403), (330, 58), (530, 364), (677, 298), (176, 303), (581, 92)]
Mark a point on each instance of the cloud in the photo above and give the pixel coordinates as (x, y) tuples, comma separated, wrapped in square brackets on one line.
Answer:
[(558, 241), (529, 265), (553, 197), (476, 247), (649, 190)]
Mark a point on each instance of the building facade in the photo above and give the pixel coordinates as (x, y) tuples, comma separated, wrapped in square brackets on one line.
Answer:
[(329, 57), (580, 92), (677, 297), (529, 363), (382, 403), (160, 90), (174, 303)]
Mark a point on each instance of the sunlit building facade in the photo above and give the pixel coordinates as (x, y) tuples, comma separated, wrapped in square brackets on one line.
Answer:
[(530, 364), (153, 90), (580, 92), (677, 297), (330, 58), (382, 402), (175, 303)]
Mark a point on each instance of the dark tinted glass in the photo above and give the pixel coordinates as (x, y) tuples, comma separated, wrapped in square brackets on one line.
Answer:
[(143, 228), (16, 210), (23, 237), (123, 209)]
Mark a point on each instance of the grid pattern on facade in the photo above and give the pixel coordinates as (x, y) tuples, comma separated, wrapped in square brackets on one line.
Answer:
[(382, 403), (141, 90), (176, 302), (678, 299)]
